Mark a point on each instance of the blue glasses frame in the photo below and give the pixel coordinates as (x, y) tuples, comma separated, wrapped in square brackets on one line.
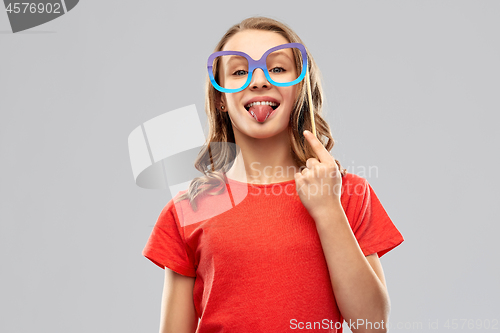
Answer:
[(261, 63)]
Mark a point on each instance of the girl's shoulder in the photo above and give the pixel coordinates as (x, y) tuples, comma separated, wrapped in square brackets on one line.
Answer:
[(353, 179), (353, 185)]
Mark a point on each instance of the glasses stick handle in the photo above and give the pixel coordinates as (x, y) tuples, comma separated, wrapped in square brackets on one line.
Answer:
[(309, 95)]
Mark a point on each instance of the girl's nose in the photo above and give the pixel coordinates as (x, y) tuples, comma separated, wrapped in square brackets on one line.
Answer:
[(259, 79)]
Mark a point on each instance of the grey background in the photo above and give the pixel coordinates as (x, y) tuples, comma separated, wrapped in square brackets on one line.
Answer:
[(411, 88)]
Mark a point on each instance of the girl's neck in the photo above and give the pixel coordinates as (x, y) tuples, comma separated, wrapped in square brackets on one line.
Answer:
[(263, 161)]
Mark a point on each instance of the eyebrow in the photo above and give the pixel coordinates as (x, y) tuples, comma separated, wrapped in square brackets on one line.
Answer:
[(233, 58), (281, 53)]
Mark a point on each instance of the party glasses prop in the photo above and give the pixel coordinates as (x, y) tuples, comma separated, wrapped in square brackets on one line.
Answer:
[(236, 68)]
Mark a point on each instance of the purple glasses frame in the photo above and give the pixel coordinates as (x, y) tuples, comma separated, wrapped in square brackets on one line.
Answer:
[(261, 63)]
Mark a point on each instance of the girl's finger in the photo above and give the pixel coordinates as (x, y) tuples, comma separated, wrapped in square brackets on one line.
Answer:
[(311, 162), (317, 146)]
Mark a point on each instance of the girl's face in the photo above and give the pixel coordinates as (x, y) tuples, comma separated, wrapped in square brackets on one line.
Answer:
[(255, 43)]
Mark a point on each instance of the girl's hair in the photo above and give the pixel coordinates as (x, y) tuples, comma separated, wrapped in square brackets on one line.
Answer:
[(216, 156)]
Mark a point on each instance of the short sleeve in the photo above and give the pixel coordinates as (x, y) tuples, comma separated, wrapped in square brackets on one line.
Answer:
[(373, 229), (165, 246)]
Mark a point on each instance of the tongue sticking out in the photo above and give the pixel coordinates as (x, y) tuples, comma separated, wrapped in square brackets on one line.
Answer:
[(260, 112)]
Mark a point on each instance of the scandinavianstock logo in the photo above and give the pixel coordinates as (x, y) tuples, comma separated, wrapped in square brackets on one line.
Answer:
[(25, 15)]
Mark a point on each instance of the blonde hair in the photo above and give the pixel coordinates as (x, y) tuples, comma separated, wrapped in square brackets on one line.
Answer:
[(216, 159)]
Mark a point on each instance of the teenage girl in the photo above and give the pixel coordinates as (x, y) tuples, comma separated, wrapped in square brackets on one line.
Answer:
[(276, 236)]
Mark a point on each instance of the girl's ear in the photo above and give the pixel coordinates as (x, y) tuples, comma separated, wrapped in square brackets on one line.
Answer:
[(220, 102)]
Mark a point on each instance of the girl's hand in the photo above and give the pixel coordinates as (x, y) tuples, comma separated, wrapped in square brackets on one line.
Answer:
[(319, 184)]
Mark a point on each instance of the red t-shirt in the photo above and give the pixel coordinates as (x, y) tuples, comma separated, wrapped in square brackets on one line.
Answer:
[(257, 257)]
